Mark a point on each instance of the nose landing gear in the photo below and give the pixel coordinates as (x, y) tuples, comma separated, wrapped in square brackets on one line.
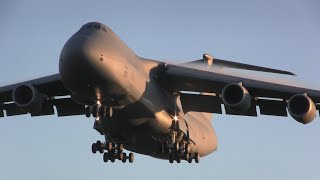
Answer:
[(99, 111), (114, 150)]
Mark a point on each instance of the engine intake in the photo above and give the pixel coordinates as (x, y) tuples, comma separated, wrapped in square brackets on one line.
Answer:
[(236, 98), (28, 98), (302, 108)]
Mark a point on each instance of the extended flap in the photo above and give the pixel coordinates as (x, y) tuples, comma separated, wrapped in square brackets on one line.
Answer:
[(67, 107), (272, 107), (47, 109), (12, 110), (200, 103)]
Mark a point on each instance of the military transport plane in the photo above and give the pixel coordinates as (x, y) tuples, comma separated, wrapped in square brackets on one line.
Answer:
[(152, 107)]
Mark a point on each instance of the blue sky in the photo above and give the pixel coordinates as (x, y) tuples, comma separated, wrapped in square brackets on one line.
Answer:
[(279, 34)]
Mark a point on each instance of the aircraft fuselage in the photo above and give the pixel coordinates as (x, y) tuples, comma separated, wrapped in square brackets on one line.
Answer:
[(95, 65)]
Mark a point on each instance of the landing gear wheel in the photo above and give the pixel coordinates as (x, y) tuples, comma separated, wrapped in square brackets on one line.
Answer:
[(109, 146), (120, 156), (124, 157), (99, 147), (105, 157), (88, 111), (94, 148), (171, 158), (131, 157), (197, 158), (120, 147), (178, 159)]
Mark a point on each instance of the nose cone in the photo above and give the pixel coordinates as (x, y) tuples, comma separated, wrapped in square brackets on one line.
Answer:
[(76, 55), (80, 64)]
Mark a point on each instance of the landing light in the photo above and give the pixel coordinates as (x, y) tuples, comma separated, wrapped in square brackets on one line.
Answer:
[(175, 118)]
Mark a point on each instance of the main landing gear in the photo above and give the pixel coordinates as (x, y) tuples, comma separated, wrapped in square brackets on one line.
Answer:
[(114, 151), (178, 148), (181, 151)]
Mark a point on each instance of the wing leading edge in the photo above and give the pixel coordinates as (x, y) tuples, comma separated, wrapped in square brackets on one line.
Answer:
[(213, 62)]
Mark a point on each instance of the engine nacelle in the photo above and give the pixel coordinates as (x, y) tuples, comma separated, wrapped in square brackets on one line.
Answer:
[(28, 98), (302, 108), (236, 98)]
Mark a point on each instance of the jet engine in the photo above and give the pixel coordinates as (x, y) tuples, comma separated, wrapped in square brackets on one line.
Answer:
[(236, 98), (302, 108), (28, 98)]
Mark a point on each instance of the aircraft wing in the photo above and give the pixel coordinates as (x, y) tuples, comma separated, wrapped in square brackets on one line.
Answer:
[(201, 85), (50, 87)]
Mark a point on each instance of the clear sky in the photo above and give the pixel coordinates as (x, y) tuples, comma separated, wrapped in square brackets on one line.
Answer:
[(279, 34)]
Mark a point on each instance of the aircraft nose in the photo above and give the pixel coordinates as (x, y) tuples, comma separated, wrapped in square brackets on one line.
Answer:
[(79, 63), (77, 50)]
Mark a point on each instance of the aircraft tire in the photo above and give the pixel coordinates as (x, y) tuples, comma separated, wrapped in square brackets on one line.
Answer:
[(197, 158), (124, 157), (105, 157), (109, 146), (178, 159), (170, 157), (120, 148), (94, 148), (87, 112), (120, 156), (131, 157)]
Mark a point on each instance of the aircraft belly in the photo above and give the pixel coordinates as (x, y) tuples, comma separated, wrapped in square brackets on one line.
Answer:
[(202, 134), (143, 138)]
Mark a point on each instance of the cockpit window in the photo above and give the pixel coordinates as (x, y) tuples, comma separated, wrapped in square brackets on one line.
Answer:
[(96, 26)]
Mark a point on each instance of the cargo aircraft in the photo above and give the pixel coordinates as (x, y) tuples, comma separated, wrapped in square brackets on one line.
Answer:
[(151, 107)]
